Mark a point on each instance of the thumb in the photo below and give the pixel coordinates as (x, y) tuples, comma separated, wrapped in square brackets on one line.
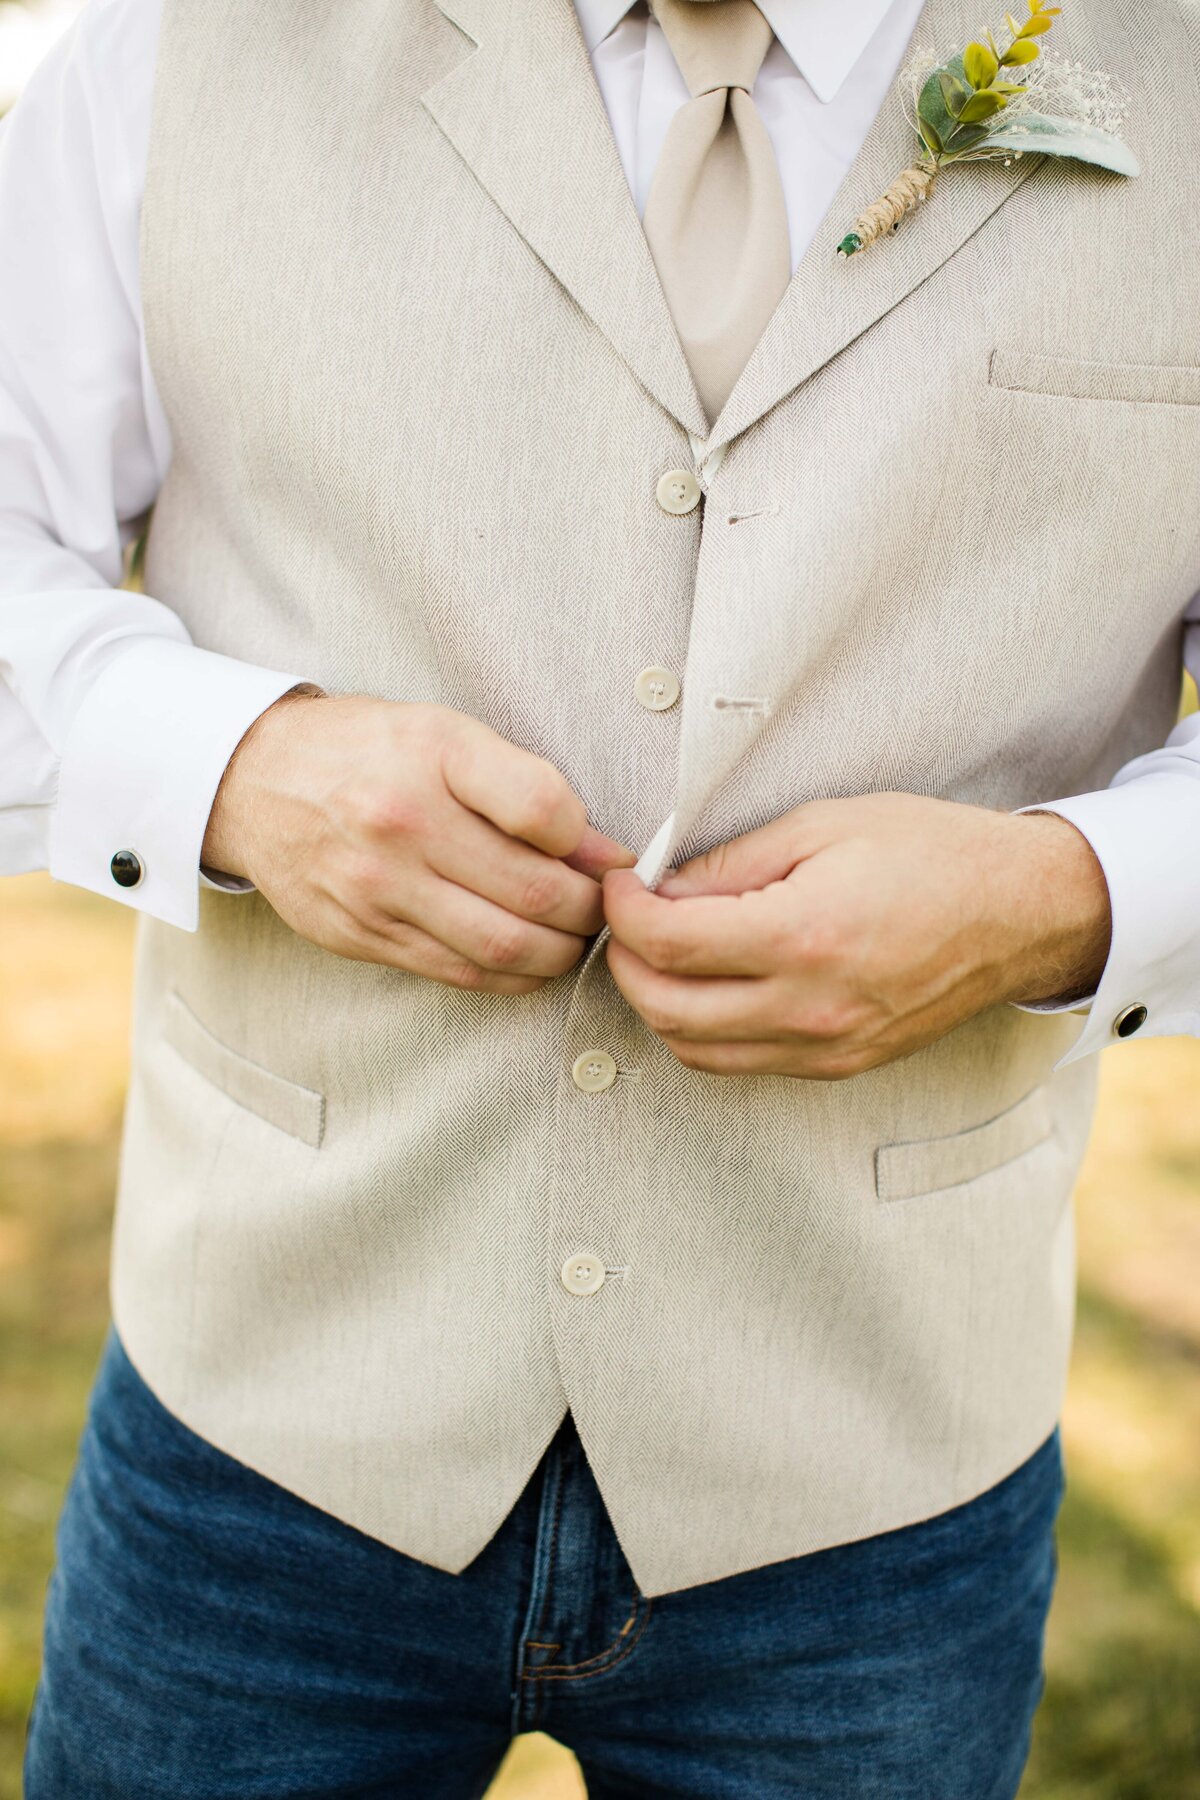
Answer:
[(751, 861)]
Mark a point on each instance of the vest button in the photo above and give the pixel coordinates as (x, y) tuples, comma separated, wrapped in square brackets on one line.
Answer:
[(127, 869), (582, 1273), (1130, 1019), (678, 491), (656, 689), (594, 1071)]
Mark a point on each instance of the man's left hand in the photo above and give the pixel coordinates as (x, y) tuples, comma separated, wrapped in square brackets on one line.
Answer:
[(849, 933)]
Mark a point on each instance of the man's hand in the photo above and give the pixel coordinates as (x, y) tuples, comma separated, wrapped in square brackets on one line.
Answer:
[(851, 932), (413, 836)]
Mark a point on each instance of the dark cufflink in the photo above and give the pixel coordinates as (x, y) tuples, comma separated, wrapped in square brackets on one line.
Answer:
[(127, 869), (1129, 1020)]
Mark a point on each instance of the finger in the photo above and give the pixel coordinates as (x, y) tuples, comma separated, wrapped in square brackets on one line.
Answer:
[(488, 935), (732, 1008), (413, 951), (733, 1059), (513, 875), (744, 934), (733, 868), (521, 793), (597, 854), (800, 1061)]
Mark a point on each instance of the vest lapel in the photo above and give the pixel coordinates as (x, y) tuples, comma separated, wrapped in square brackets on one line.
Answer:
[(524, 113), (831, 301)]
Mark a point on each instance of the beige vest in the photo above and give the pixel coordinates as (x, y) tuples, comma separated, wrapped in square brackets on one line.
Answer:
[(422, 386)]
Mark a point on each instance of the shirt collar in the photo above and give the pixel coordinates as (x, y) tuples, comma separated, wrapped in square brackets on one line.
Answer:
[(597, 18), (824, 38)]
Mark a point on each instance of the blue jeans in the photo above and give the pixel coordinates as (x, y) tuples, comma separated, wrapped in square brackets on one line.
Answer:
[(209, 1636)]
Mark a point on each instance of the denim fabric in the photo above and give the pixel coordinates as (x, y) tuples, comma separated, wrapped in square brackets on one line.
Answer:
[(209, 1636)]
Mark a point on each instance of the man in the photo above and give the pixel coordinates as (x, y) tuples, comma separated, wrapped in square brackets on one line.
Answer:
[(545, 1294)]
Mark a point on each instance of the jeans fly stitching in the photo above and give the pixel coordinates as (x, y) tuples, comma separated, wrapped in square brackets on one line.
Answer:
[(604, 1659), (551, 1557)]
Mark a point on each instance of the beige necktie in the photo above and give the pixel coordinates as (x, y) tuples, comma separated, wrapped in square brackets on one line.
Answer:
[(716, 219)]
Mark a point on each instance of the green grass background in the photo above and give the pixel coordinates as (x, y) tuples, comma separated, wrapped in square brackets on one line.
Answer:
[(1121, 1719)]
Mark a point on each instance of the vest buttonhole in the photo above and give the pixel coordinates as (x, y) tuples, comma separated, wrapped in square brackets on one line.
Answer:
[(742, 703)]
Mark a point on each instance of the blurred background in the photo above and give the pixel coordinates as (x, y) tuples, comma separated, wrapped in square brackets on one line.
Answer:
[(1121, 1719)]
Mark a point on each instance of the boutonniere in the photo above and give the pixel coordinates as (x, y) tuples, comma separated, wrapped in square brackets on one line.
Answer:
[(967, 108)]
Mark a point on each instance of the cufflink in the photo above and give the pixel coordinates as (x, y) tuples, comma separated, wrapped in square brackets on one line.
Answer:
[(1130, 1019), (127, 869)]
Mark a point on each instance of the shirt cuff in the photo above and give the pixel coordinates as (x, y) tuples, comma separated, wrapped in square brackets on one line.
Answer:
[(1146, 835), (141, 766)]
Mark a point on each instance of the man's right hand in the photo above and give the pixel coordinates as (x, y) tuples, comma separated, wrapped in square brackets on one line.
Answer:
[(414, 836)]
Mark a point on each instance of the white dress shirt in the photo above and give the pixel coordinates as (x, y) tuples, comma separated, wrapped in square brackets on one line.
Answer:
[(114, 727)]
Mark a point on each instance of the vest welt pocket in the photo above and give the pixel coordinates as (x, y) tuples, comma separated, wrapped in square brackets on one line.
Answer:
[(905, 1171), (1156, 384), (299, 1111)]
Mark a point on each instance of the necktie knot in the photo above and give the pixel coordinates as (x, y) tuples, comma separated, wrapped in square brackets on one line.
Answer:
[(716, 43)]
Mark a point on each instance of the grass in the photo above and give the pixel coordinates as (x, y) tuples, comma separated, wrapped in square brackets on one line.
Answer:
[(1121, 1720)]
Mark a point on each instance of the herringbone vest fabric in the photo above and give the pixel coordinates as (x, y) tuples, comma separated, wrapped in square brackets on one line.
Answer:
[(422, 385)]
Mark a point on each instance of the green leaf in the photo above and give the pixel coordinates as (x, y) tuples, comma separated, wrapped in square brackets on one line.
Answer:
[(981, 106), (965, 139), (1012, 24), (933, 142), (1039, 133), (980, 65), (955, 93), (932, 110), (1036, 26), (931, 106), (1009, 87), (1023, 51)]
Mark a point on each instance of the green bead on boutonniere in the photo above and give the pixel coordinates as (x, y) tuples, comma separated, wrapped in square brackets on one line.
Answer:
[(967, 108)]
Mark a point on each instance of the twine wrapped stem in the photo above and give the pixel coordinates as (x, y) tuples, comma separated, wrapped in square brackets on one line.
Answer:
[(906, 193)]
